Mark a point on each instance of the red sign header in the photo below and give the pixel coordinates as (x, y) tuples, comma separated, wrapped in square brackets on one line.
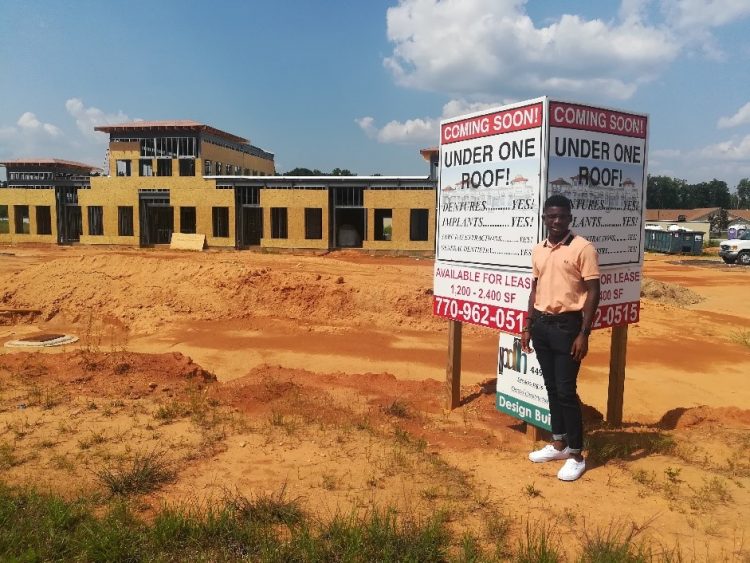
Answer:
[(573, 116), (506, 121)]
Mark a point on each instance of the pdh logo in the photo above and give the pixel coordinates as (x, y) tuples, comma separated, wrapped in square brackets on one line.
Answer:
[(512, 358)]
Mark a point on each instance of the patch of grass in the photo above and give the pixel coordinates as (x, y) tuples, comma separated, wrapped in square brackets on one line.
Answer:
[(531, 491), (171, 411), (644, 477), (144, 473), (398, 409), (61, 462), (537, 546), (274, 528), (402, 436), (431, 494), (8, 457), (329, 481), (19, 428), (274, 508), (673, 474), (497, 528), (711, 493), (604, 446), (741, 337), (614, 544), (94, 439)]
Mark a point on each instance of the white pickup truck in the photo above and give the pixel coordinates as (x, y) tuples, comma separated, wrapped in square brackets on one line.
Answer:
[(736, 250)]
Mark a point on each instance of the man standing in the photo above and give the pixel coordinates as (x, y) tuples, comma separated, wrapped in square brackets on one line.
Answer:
[(564, 297)]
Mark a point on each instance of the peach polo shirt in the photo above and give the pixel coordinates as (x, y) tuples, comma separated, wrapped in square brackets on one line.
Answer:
[(560, 270)]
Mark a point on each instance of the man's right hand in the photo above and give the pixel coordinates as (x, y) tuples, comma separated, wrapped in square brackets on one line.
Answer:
[(526, 342)]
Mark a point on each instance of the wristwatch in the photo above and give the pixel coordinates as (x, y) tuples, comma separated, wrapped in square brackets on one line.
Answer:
[(585, 331)]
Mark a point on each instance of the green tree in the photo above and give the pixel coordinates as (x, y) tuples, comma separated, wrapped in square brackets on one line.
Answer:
[(663, 192), (743, 194), (303, 172), (719, 221), (341, 172)]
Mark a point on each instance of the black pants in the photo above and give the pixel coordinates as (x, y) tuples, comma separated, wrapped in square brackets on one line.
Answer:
[(552, 338)]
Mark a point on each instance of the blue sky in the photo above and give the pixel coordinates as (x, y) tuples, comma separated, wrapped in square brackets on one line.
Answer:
[(363, 85)]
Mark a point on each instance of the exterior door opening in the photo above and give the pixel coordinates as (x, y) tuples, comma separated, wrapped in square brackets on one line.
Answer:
[(350, 227), (69, 220), (156, 217), (249, 216)]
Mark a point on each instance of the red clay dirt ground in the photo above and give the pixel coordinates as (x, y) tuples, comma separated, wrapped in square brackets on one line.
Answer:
[(327, 384)]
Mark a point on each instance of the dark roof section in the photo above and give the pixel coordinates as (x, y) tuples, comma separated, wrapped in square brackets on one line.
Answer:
[(700, 214), (47, 162), (180, 124), (403, 182)]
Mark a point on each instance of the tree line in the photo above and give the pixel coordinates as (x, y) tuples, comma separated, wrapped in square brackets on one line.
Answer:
[(315, 172), (664, 192)]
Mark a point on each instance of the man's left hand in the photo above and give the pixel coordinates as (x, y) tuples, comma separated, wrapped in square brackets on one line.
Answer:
[(580, 347)]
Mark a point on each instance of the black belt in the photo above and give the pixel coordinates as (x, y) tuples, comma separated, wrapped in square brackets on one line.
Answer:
[(556, 317)]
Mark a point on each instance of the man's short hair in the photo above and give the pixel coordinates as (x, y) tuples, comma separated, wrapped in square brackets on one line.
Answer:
[(558, 200)]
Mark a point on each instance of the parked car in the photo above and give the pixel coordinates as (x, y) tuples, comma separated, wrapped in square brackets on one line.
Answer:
[(736, 250)]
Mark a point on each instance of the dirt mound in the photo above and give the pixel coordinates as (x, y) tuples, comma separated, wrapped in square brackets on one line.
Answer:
[(683, 418), (144, 291), (108, 374), (669, 293)]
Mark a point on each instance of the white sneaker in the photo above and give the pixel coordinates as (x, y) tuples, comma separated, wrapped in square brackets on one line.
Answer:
[(549, 453), (572, 470)]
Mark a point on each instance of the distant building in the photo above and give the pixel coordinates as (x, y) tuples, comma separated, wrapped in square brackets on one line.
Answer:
[(168, 177), (39, 202)]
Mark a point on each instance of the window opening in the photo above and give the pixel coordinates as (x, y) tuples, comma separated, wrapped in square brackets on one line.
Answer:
[(4, 220), (96, 220), (418, 227), (187, 220), (146, 167), (123, 168), (348, 197), (313, 223), (43, 220), (383, 224), (125, 221), (187, 166), (22, 219), (279, 222), (221, 221), (163, 167)]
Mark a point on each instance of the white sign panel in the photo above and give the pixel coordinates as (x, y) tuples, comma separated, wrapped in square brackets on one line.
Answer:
[(597, 158), (488, 197), (520, 387)]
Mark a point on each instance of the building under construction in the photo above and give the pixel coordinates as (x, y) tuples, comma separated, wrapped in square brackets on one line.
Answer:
[(168, 177)]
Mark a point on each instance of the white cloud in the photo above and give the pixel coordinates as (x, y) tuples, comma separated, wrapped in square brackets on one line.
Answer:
[(727, 160), (29, 124), (89, 117), (733, 149), (419, 130), (410, 131), (32, 137), (703, 14), (742, 117), (491, 48)]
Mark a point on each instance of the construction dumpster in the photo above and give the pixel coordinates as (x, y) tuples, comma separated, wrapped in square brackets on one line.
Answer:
[(674, 242)]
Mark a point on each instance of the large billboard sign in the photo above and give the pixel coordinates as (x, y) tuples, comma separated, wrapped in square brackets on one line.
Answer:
[(497, 168)]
